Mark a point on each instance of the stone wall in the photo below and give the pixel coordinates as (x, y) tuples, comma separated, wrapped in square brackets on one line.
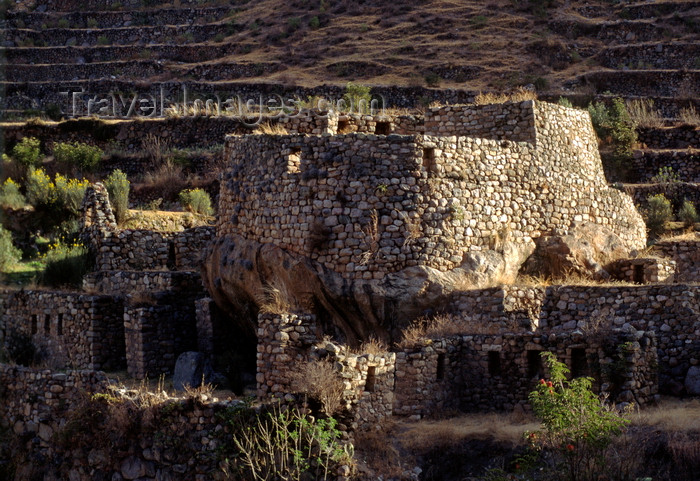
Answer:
[(77, 330), (121, 282), (643, 270), (497, 372), (645, 165), (650, 56), (680, 137), (157, 332), (676, 192), (137, 249), (686, 255), (364, 205)]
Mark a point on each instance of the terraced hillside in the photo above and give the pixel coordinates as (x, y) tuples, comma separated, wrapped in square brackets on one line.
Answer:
[(577, 48)]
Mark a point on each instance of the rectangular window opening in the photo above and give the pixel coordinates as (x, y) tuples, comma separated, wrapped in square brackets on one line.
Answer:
[(383, 128), (440, 374), (494, 363), (47, 324), (344, 126), (579, 365), (534, 364), (34, 324), (638, 274), (59, 325), (371, 379), (428, 158)]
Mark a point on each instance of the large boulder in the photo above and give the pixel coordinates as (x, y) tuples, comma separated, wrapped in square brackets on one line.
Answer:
[(239, 272), (191, 368), (692, 381), (586, 249)]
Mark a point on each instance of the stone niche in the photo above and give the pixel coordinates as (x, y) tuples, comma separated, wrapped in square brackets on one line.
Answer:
[(364, 229)]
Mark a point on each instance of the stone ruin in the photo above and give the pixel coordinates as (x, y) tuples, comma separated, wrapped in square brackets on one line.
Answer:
[(351, 227)]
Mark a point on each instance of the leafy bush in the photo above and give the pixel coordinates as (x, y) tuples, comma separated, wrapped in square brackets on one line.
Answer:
[(66, 264), (196, 200), (9, 254), (666, 175), (599, 118), (69, 193), (687, 214), (39, 189), (563, 101), (27, 151), (577, 427), (10, 196), (117, 186), (623, 131), (358, 97), (314, 23), (83, 156), (658, 213)]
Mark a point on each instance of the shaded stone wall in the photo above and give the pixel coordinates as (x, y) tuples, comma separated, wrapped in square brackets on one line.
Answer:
[(684, 163), (120, 282), (686, 254), (497, 372), (77, 330), (157, 334), (669, 138)]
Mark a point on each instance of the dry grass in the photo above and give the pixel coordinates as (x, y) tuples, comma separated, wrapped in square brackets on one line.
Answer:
[(426, 435), (672, 414), (518, 95), (156, 148), (644, 114), (690, 116), (167, 179), (267, 128), (371, 231), (320, 381), (276, 299), (373, 346), (441, 326)]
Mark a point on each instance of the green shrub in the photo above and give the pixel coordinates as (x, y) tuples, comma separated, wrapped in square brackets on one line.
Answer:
[(623, 130), (117, 186), (27, 151), (658, 213), (666, 175), (576, 427), (687, 214), (358, 97), (66, 264), (39, 188), (600, 119), (70, 193), (9, 254), (196, 200), (314, 23), (565, 102), (10, 196), (83, 156)]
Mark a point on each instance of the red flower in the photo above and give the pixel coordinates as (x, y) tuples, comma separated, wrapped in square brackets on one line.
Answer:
[(549, 383), (570, 447), (542, 381)]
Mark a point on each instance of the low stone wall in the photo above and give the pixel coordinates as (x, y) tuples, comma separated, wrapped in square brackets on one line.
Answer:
[(121, 282), (686, 255), (114, 19), (135, 249), (643, 270), (651, 83), (680, 137), (646, 164), (676, 192), (77, 330), (650, 56), (62, 73), (497, 372)]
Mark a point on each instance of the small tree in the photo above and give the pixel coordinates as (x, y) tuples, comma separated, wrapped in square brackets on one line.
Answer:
[(577, 427), (117, 186), (9, 254), (687, 214), (27, 151), (358, 97), (658, 213)]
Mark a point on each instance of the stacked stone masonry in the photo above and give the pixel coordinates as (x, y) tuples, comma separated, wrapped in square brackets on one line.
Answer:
[(365, 205), (79, 330)]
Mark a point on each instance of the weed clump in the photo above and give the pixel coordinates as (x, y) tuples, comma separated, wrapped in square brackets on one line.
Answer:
[(196, 200), (27, 152), (117, 186), (658, 214)]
